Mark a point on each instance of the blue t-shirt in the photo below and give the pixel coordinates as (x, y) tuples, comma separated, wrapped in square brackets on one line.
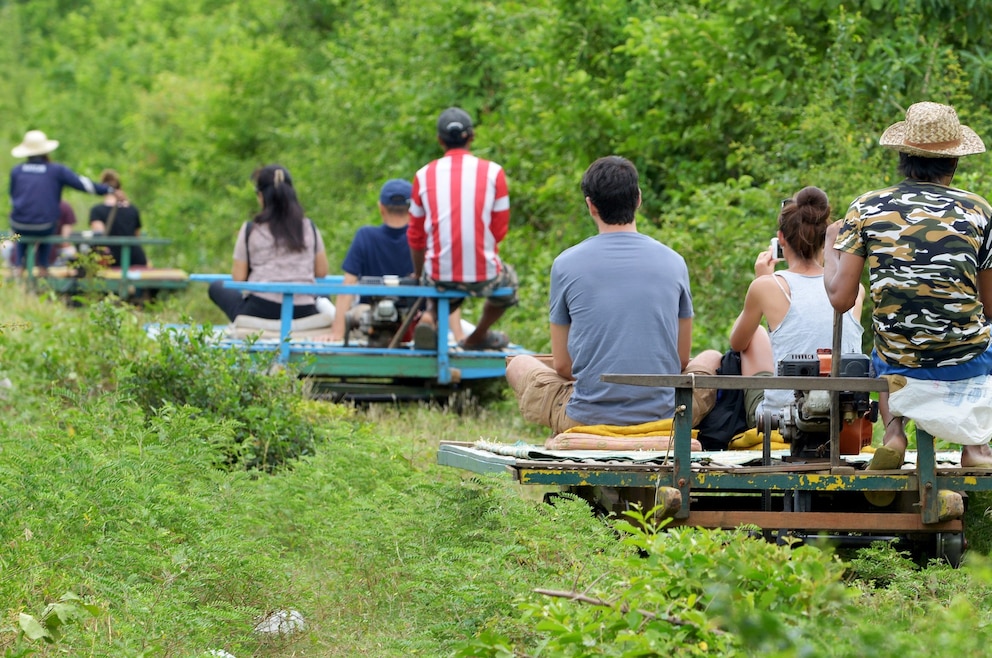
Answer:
[(623, 295), (378, 251)]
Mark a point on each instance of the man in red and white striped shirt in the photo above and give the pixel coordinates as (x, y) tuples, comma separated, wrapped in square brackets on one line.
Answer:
[(459, 213)]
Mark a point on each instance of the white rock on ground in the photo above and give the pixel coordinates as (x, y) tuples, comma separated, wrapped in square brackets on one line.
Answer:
[(282, 622)]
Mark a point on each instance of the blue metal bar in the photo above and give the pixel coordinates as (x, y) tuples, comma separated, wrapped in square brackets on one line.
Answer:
[(353, 289), (547, 473), (443, 367), (29, 262), (210, 278), (285, 326), (96, 240), (288, 290), (125, 265)]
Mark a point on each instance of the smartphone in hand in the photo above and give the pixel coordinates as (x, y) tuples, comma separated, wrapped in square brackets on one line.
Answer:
[(776, 249)]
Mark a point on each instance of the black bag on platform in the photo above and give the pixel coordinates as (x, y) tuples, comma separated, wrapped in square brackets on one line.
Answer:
[(727, 418)]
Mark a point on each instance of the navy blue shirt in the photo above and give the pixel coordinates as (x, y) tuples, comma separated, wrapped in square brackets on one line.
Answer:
[(378, 251), (36, 189)]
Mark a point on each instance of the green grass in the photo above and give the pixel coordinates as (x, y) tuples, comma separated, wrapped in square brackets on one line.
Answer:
[(174, 552)]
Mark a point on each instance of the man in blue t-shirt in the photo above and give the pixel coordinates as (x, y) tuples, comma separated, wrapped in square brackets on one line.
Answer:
[(620, 303)]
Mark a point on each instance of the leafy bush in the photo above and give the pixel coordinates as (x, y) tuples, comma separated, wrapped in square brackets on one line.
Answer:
[(692, 592), (81, 363), (189, 369), (69, 609), (683, 593)]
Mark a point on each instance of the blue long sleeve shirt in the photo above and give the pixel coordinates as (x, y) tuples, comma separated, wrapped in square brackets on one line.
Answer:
[(36, 189)]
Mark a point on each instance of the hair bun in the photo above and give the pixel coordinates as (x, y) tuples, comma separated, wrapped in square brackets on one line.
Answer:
[(812, 196)]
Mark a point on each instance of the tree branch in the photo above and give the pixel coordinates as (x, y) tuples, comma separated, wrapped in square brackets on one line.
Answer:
[(624, 608)]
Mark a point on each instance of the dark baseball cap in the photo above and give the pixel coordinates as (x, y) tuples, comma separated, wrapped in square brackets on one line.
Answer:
[(454, 123), (395, 192)]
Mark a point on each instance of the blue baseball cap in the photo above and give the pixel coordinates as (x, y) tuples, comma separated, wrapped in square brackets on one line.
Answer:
[(396, 192)]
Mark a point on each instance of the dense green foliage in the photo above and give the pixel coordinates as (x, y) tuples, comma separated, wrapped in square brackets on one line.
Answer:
[(261, 401), (125, 507), (725, 108), (683, 594)]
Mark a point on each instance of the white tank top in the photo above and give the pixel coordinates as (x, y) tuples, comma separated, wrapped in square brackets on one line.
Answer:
[(807, 326)]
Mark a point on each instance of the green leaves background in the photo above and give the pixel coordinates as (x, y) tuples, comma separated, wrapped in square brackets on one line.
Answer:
[(725, 108)]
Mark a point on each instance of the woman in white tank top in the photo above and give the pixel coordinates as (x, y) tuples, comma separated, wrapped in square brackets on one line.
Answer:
[(793, 302)]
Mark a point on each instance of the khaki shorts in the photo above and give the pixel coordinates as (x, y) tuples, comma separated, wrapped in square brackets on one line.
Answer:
[(703, 399), (545, 395), (543, 399)]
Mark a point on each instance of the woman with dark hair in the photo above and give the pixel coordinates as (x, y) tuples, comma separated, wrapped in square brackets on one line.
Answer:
[(117, 217), (793, 302), (280, 244)]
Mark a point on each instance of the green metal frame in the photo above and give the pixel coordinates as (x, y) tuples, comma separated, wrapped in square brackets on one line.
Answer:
[(120, 287), (832, 478)]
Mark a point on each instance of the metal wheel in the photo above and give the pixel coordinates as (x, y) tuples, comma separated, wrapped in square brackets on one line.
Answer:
[(950, 547)]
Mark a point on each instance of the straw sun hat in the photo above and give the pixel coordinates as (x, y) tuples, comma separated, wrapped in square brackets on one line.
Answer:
[(35, 143), (932, 130)]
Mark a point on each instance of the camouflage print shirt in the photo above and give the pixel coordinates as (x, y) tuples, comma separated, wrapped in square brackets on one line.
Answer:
[(925, 244)]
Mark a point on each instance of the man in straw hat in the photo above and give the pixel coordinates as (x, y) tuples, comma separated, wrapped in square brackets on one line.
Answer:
[(36, 189), (929, 252)]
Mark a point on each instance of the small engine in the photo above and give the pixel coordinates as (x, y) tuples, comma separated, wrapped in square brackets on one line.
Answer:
[(380, 321), (381, 316), (805, 423)]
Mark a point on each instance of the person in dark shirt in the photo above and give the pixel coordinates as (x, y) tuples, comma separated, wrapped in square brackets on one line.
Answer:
[(35, 191), (377, 250), (117, 217), (66, 251)]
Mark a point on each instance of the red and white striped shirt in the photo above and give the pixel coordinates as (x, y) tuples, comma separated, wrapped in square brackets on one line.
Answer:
[(459, 213)]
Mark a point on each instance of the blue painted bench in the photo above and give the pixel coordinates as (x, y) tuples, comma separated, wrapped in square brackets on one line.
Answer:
[(487, 364)]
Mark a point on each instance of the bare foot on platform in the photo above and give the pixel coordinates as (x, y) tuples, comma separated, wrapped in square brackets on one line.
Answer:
[(976, 456)]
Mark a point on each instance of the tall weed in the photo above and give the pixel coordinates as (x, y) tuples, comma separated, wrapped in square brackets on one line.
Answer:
[(190, 369)]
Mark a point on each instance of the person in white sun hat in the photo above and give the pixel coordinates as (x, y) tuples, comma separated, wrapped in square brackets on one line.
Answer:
[(35, 191), (928, 247)]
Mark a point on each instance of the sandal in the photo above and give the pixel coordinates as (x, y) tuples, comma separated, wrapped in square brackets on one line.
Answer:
[(884, 459), (495, 340)]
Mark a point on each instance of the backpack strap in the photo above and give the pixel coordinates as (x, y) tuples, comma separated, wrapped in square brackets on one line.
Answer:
[(110, 220), (248, 227)]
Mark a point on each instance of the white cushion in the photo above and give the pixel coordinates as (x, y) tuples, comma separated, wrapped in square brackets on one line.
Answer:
[(308, 327)]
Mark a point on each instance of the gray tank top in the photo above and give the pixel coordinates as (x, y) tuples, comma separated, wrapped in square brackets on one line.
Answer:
[(807, 326)]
